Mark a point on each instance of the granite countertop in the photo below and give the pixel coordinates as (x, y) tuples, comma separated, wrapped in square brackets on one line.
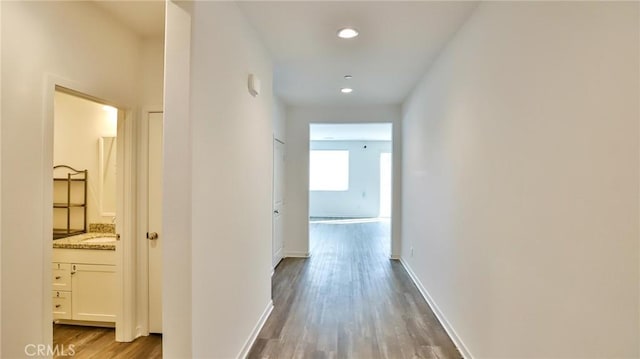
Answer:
[(79, 241)]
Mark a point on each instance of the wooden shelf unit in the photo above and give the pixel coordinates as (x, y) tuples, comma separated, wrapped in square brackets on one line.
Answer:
[(72, 176)]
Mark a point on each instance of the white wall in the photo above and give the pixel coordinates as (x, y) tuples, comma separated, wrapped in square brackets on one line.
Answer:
[(78, 126), (176, 190), (151, 73), (75, 42), (296, 221), (362, 199), (520, 191), (232, 143)]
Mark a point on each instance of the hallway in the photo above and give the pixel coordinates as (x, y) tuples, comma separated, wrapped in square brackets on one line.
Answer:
[(349, 301)]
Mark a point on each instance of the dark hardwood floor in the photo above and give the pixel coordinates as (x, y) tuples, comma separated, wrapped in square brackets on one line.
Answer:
[(98, 343), (349, 300)]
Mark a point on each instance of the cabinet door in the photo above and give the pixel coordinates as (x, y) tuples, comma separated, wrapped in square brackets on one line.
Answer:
[(94, 292)]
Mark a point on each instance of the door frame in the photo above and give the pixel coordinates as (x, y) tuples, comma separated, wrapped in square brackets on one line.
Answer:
[(142, 271), (394, 237), (125, 221), (390, 181)]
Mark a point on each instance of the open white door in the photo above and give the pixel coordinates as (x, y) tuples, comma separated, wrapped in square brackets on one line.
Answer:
[(278, 201), (155, 222)]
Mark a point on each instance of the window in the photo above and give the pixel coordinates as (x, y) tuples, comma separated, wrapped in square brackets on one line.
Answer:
[(329, 170)]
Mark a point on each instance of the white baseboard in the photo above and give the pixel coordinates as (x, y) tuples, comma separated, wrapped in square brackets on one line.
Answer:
[(256, 330), (434, 307), (278, 256), (297, 254), (395, 256)]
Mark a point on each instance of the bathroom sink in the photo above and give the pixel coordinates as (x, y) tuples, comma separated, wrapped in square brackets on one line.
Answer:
[(100, 240)]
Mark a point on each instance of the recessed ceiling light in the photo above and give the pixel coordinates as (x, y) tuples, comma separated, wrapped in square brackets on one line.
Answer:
[(348, 77), (347, 33), (346, 90)]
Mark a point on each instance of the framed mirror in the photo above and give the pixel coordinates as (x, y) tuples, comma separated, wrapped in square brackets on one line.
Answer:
[(107, 176)]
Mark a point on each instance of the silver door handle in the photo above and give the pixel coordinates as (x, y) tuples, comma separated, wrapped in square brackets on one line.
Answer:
[(152, 236)]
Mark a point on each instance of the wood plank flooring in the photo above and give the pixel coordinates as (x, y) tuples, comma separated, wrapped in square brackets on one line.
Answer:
[(98, 343), (349, 301)]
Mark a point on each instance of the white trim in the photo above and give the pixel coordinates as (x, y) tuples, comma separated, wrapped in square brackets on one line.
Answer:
[(50, 82), (278, 257), (296, 254), (125, 224), (1, 187), (434, 308), (395, 257), (48, 98), (256, 330), (125, 325)]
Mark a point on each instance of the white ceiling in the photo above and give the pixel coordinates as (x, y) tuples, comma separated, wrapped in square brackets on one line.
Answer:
[(351, 132), (397, 42), (144, 17)]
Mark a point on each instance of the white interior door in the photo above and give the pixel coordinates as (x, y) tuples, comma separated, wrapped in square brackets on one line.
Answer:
[(278, 201), (155, 222)]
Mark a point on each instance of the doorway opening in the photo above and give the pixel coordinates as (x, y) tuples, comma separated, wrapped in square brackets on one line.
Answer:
[(87, 199), (350, 180)]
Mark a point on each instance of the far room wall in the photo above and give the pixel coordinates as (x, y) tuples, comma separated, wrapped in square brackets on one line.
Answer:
[(362, 198)]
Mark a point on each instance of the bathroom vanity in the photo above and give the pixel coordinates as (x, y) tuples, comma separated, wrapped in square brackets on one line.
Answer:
[(84, 279)]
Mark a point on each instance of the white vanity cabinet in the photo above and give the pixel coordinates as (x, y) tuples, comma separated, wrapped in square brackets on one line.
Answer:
[(84, 286)]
